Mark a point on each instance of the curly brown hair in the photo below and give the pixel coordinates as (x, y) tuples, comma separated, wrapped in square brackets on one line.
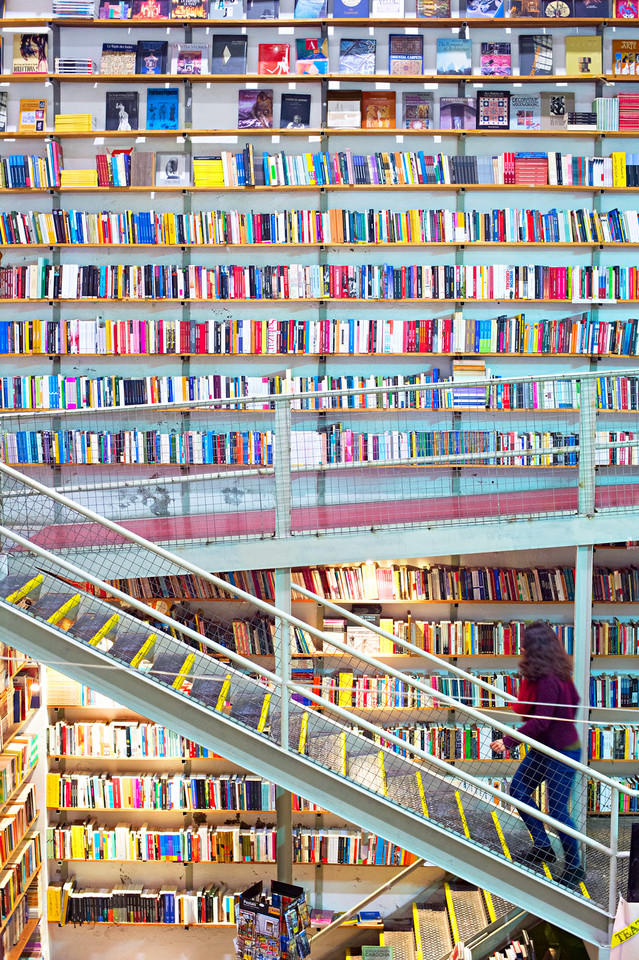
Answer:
[(543, 653)]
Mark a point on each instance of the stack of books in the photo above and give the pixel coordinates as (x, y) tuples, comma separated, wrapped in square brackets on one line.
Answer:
[(208, 172), (73, 66), (78, 178), (607, 110), (73, 123), (74, 8), (628, 111)]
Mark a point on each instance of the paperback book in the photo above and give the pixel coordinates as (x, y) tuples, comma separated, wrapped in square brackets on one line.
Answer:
[(525, 112), (625, 58), (454, 57), (433, 9), (229, 53), (151, 10), (583, 55), (4, 99), (417, 111), (171, 169), (627, 9), (30, 52), (295, 111), (378, 109), (114, 10), (118, 58), (387, 8), (457, 113), (189, 9), (191, 59), (122, 109), (273, 59), (32, 117), (405, 55), (485, 9), (226, 9), (557, 9), (535, 54), (344, 108), (518, 9), (592, 8), (348, 9), (493, 110), (495, 60), (311, 55), (555, 108), (255, 109), (162, 108), (262, 9), (357, 56), (151, 56), (309, 9)]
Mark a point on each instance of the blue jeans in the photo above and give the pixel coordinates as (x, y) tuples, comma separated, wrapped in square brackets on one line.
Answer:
[(533, 770)]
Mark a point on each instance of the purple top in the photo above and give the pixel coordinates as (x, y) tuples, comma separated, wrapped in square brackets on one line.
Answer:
[(555, 699)]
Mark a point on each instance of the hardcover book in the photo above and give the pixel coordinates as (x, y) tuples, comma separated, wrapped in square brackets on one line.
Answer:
[(151, 55), (454, 57), (555, 108), (417, 111), (311, 55), (151, 10), (592, 8), (191, 59), (262, 9), (582, 121), (344, 108), (32, 117), (229, 53), (114, 10), (295, 111), (162, 108), (30, 53), (583, 55), (255, 109), (493, 110), (226, 9), (433, 9), (557, 8), (4, 99), (525, 112), (518, 9), (171, 170), (625, 58), (309, 9), (273, 58), (627, 9), (405, 55), (122, 110), (357, 56), (118, 58), (457, 113), (347, 9), (387, 8), (378, 109), (535, 54), (189, 9), (495, 60), (485, 9)]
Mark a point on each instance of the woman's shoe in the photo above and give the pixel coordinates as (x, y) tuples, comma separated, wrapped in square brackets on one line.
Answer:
[(572, 876), (538, 855)]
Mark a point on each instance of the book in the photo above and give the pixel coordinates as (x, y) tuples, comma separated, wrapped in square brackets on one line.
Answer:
[(295, 111), (171, 170), (592, 8), (311, 55), (309, 9), (273, 58), (535, 54), (229, 53), (387, 8), (518, 9), (118, 58), (192, 59), (583, 54), (151, 56), (378, 108), (189, 9), (255, 109), (30, 53), (357, 56), (405, 55), (32, 117), (582, 120), (556, 8), (4, 98), (493, 109), (226, 9), (625, 58), (344, 108), (417, 111), (262, 9), (114, 10), (454, 57), (347, 9), (495, 59), (122, 110), (457, 113), (525, 112), (485, 9), (627, 9), (555, 108), (162, 108), (151, 10), (433, 9)]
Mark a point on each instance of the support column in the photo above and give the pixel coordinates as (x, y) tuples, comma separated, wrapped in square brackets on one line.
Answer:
[(283, 800)]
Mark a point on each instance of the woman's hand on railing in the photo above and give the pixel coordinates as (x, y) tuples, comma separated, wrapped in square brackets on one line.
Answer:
[(498, 746)]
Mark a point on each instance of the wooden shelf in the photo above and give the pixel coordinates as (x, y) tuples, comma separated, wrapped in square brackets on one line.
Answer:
[(113, 923), (18, 728), (321, 244), (425, 22), (314, 78), (21, 897), (193, 134), (147, 301), (16, 790), (154, 810), (28, 834), (16, 951), (333, 356), (435, 187)]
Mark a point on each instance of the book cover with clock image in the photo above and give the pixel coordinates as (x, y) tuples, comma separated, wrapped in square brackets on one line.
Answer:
[(557, 8)]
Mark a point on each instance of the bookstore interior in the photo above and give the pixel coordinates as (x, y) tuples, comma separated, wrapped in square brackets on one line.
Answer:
[(392, 673)]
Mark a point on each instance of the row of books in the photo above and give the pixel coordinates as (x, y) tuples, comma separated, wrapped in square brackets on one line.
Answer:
[(577, 334), (450, 741), (337, 845), (72, 281), (311, 448), (600, 796), (17, 874), (384, 692), (28, 910), (16, 761), (616, 742), (335, 226), (121, 739), (614, 691), (159, 792), (17, 819), (260, 583)]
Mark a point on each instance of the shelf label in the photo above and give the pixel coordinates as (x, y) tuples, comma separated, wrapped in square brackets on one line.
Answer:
[(228, 139), (292, 86), (431, 86), (275, 138), (371, 31), (98, 141), (411, 29), (314, 138), (399, 138), (331, 31), (286, 30), (382, 85), (251, 86), (333, 84), (140, 139), (437, 139)]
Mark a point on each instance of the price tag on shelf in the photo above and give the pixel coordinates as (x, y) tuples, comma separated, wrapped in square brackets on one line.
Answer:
[(331, 31), (561, 84), (250, 85), (275, 138), (292, 86), (399, 138), (229, 139), (411, 29), (180, 140), (517, 84), (508, 30), (437, 139), (430, 86), (382, 85), (371, 31), (98, 141), (333, 84), (152, 197), (243, 29), (313, 138), (140, 139), (286, 30)]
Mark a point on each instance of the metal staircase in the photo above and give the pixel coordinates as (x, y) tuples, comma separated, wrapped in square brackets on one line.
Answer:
[(332, 753)]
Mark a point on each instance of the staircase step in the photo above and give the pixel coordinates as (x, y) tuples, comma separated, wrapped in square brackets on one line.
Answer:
[(432, 930), (94, 627), (467, 910), (207, 690), (17, 586), (133, 646), (172, 667), (402, 942), (56, 608)]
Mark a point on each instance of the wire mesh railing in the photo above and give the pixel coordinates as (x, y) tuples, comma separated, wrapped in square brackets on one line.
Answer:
[(326, 459), (317, 713)]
